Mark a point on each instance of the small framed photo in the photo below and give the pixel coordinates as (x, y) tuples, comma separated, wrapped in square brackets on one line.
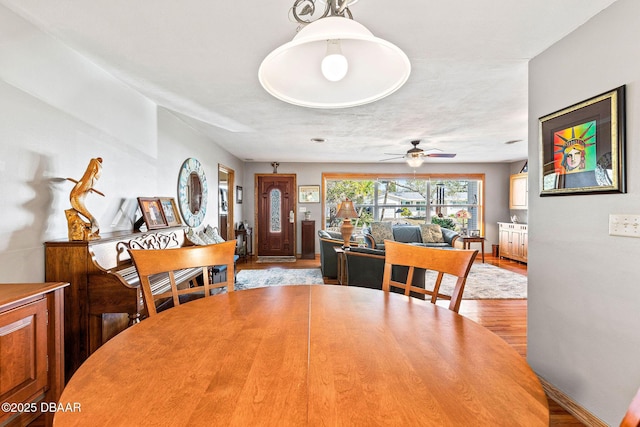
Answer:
[(582, 147), (170, 210), (152, 212), (309, 194), (238, 194), (474, 233)]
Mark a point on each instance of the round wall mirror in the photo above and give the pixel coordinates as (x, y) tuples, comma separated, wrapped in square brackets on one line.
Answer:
[(192, 192)]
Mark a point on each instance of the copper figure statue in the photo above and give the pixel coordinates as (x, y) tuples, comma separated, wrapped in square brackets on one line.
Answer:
[(79, 228)]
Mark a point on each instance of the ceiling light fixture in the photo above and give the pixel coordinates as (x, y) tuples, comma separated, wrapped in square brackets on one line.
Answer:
[(414, 160), (333, 61)]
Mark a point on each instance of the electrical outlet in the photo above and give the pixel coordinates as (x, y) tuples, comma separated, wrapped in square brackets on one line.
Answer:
[(627, 225)]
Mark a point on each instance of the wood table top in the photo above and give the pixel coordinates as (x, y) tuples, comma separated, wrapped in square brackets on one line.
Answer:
[(306, 355)]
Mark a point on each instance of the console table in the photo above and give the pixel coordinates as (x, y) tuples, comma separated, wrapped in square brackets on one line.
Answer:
[(245, 242)]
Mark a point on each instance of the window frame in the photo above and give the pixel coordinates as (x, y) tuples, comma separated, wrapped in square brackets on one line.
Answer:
[(333, 176)]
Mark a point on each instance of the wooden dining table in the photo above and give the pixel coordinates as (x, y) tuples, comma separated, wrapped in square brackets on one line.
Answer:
[(305, 355)]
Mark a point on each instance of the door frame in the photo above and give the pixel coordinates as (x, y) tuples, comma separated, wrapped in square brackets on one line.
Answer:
[(229, 233), (256, 196)]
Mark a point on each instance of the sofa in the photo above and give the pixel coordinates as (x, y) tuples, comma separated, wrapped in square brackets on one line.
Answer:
[(431, 235)]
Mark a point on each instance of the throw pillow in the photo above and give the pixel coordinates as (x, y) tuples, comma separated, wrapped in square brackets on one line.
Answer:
[(213, 234), (381, 230), (431, 233), (194, 238), (205, 238)]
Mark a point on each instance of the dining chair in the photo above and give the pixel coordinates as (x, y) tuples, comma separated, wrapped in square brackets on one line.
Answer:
[(172, 263), (632, 417), (453, 262)]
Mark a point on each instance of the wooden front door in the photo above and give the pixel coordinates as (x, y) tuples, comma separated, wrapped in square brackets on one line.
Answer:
[(276, 220)]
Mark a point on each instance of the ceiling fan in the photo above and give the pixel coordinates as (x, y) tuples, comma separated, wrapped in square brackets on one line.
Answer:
[(415, 156)]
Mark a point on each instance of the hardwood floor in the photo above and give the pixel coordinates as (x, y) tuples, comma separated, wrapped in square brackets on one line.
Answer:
[(505, 318)]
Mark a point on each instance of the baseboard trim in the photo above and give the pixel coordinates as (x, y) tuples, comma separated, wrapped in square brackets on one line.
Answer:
[(570, 405)]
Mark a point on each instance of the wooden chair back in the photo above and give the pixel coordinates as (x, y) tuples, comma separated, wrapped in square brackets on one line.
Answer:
[(632, 417), (452, 262), (150, 262)]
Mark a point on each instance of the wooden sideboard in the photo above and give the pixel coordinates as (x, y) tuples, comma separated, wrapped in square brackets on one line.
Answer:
[(99, 303), (513, 240), (31, 352)]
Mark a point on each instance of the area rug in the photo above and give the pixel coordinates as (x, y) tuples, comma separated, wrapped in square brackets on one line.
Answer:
[(486, 281), (248, 279), (271, 259)]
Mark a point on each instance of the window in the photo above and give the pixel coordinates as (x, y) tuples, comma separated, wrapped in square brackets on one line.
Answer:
[(407, 198)]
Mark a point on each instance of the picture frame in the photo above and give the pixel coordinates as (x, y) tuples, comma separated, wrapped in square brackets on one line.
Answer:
[(582, 147), (170, 210), (309, 194), (152, 212), (238, 194)]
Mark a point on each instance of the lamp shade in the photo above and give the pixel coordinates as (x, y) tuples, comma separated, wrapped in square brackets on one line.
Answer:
[(347, 210), (376, 68), (463, 214)]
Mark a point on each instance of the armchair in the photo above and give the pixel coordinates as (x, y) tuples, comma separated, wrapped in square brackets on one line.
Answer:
[(328, 256), (365, 268)]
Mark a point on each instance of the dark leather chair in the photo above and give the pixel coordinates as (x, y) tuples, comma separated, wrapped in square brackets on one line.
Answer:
[(365, 268), (328, 256)]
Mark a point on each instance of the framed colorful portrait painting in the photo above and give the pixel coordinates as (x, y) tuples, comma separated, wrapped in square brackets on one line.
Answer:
[(582, 147)]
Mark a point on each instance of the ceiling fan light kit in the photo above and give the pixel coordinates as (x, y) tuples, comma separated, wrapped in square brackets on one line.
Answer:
[(415, 161), (415, 156), (333, 62)]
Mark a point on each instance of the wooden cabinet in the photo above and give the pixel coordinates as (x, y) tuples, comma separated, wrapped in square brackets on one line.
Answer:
[(308, 250), (518, 191), (513, 239), (31, 350)]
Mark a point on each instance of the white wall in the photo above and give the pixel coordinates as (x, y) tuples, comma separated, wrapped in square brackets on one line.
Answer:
[(584, 293), (57, 111), (496, 191)]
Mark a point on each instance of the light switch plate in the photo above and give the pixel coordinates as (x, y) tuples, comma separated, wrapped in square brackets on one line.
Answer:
[(627, 225)]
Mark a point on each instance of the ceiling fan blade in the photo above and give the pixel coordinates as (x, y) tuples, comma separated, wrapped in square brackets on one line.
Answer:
[(440, 155), (394, 154), (392, 158)]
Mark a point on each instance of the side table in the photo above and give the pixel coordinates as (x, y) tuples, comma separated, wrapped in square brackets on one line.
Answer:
[(245, 242), (342, 265), (467, 240)]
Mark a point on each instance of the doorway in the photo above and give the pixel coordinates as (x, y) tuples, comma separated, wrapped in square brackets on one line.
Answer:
[(226, 180), (275, 214)]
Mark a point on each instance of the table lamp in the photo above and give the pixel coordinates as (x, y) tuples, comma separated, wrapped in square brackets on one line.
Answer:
[(346, 211), (464, 215)]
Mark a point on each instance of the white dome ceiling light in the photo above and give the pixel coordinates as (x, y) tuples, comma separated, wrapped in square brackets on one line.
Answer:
[(333, 61)]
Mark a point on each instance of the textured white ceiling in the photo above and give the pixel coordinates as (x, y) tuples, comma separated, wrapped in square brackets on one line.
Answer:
[(467, 92)]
